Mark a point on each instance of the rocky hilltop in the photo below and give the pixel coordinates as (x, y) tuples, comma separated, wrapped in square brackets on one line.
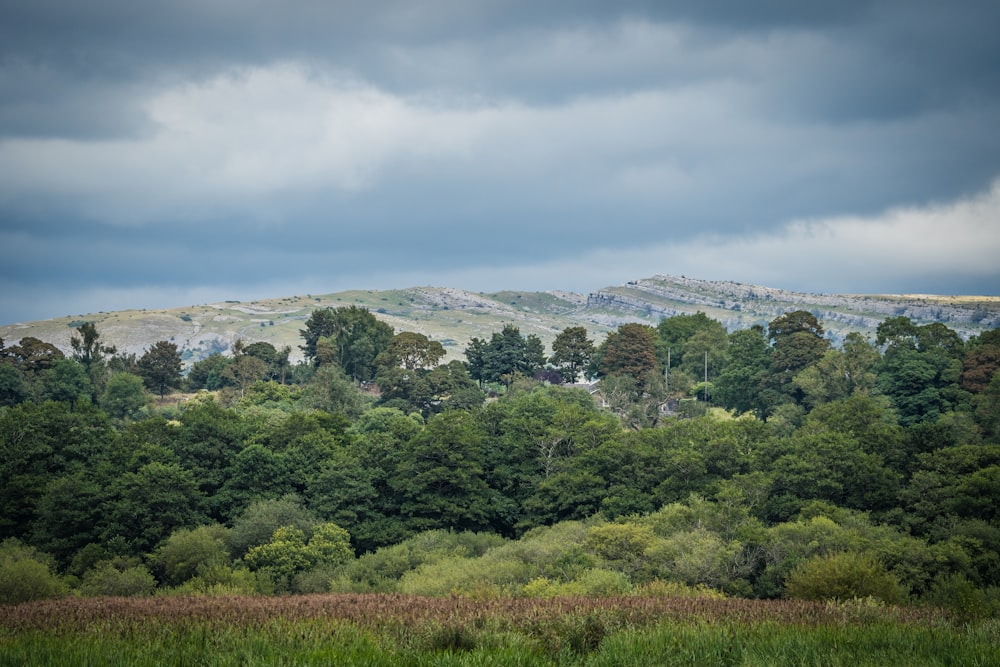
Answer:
[(738, 305), (453, 316)]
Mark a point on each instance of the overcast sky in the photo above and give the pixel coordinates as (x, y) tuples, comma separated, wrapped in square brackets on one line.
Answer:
[(177, 153)]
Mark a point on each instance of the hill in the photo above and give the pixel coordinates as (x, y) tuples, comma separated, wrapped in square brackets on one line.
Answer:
[(454, 316)]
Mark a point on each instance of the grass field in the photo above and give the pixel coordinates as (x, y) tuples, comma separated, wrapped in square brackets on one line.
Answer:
[(410, 630)]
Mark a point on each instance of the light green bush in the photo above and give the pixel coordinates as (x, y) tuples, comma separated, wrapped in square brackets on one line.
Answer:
[(26, 574), (597, 582), (223, 579), (843, 576), (119, 577)]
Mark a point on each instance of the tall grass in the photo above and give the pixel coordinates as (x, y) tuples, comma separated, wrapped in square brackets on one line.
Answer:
[(402, 630)]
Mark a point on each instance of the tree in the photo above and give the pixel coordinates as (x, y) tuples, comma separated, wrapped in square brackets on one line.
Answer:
[(33, 355), (629, 351), (440, 476), (13, 389), (687, 338), (412, 351), (188, 550), (572, 351), (151, 503), (207, 373), (350, 337), (65, 380), (124, 395), (506, 355), (740, 387), (160, 367), (245, 371), (797, 342), (840, 373), (90, 352)]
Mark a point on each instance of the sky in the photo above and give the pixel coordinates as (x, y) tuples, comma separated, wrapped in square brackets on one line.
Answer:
[(158, 155)]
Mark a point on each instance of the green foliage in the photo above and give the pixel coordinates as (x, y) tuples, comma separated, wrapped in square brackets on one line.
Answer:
[(440, 476), (124, 396), (119, 577), (843, 576), (505, 356), (190, 551), (837, 467), (629, 351), (289, 554), (258, 523), (26, 574), (350, 337), (572, 351), (962, 598), (147, 505), (160, 367)]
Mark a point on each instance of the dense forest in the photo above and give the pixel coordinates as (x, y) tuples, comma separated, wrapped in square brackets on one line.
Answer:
[(762, 462)]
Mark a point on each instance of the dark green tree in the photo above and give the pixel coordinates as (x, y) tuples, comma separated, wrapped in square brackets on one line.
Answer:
[(124, 395), (91, 353), (13, 388), (207, 373), (440, 476), (507, 355), (160, 367), (572, 351), (33, 355), (921, 369), (741, 385), (147, 505), (350, 337), (65, 380), (796, 343)]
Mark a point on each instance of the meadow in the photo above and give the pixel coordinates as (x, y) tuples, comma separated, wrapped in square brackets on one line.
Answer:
[(375, 629)]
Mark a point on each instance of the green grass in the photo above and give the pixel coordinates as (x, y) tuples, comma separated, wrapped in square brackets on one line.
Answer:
[(311, 631)]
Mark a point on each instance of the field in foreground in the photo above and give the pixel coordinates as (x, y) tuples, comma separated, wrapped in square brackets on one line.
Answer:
[(408, 630)]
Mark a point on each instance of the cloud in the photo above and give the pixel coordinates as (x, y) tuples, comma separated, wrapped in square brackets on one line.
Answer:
[(314, 146), (903, 250)]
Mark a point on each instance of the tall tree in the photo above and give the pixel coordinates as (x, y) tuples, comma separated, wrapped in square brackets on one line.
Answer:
[(741, 386), (160, 367), (572, 351), (631, 351), (797, 342), (351, 337), (506, 355), (91, 353), (440, 476)]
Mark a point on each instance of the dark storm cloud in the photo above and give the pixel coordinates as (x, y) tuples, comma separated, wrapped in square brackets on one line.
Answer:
[(178, 148)]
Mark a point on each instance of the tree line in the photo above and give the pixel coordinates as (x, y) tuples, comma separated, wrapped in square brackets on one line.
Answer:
[(280, 470)]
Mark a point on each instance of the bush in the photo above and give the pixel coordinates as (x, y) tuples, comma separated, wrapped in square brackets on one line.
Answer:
[(220, 579), (186, 550), (843, 576), (120, 577), (960, 596), (26, 574)]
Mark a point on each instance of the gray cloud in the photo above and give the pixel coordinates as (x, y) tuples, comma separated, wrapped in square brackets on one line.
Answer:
[(196, 148)]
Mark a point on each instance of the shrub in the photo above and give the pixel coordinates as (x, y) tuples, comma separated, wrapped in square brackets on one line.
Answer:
[(26, 574), (119, 577), (186, 550), (843, 576), (221, 579), (960, 596)]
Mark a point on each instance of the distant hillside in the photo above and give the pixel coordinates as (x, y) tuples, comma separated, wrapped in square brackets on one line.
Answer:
[(454, 316)]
